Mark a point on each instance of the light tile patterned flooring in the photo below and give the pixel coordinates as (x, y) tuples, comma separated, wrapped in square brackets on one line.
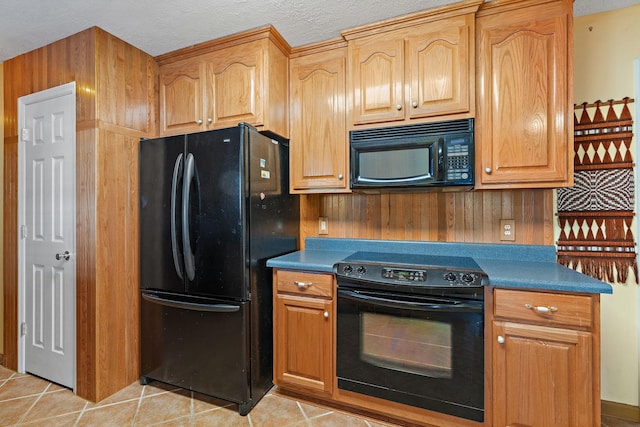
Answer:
[(26, 400)]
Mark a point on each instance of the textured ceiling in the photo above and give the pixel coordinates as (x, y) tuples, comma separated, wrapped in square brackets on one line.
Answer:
[(160, 26)]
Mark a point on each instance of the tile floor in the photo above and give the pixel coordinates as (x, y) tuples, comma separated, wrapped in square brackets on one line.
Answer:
[(26, 400)]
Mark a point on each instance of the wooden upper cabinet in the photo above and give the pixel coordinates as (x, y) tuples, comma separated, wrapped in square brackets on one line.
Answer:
[(440, 71), (234, 86), (181, 97), (319, 146), (416, 68), (240, 78), (524, 121), (377, 76)]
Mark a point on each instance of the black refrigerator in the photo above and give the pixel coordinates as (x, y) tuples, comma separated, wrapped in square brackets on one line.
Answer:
[(214, 206)]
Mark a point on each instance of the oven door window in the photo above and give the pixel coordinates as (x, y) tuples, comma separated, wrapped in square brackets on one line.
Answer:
[(411, 345), (426, 352)]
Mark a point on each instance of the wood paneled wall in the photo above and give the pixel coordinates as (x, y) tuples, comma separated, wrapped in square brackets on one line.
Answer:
[(472, 217), (116, 105)]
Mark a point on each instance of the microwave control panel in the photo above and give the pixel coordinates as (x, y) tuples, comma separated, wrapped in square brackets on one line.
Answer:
[(458, 160)]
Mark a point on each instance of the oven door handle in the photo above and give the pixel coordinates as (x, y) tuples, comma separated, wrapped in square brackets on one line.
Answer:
[(392, 303)]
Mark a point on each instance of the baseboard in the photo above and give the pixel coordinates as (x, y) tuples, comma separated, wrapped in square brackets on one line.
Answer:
[(620, 410)]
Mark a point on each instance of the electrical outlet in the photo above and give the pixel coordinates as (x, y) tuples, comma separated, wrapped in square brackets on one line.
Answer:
[(323, 225), (507, 229)]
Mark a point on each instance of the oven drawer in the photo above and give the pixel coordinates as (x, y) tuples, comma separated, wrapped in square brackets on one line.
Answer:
[(548, 308), (309, 284)]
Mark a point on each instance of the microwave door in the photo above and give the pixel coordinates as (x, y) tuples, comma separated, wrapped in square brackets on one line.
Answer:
[(407, 165)]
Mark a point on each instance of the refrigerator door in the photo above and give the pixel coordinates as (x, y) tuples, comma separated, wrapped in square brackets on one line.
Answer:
[(161, 167), (214, 230), (198, 344)]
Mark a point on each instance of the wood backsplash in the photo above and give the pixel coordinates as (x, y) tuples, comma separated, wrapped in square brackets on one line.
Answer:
[(472, 217)]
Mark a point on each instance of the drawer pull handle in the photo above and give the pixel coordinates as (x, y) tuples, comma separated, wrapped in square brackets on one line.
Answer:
[(500, 339), (541, 308), (302, 285), (326, 314)]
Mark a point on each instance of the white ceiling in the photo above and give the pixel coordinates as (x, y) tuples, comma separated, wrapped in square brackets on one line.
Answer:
[(160, 26)]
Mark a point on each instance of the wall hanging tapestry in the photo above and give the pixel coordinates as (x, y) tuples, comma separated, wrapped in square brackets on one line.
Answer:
[(595, 215)]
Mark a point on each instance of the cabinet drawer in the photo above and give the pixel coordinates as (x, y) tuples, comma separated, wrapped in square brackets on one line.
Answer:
[(548, 308), (310, 284)]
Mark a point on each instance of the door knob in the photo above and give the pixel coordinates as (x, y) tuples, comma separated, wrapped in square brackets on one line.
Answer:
[(66, 255), (487, 170)]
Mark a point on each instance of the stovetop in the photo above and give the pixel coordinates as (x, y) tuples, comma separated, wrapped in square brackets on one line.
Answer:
[(411, 270), (417, 260)]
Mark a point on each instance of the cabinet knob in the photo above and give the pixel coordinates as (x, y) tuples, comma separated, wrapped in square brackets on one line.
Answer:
[(326, 314), (209, 120), (398, 107), (302, 285), (487, 170), (500, 339), (414, 104), (340, 177), (199, 121)]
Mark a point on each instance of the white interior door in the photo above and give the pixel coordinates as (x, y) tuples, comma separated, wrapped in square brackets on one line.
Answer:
[(47, 225)]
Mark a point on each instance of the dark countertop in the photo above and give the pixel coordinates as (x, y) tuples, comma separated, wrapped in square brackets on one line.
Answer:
[(507, 265)]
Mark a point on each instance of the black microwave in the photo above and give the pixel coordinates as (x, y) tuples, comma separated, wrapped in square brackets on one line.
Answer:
[(428, 156)]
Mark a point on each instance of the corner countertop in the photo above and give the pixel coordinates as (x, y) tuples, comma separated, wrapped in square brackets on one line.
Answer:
[(507, 265)]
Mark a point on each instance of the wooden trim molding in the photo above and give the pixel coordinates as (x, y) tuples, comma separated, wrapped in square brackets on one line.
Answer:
[(621, 410)]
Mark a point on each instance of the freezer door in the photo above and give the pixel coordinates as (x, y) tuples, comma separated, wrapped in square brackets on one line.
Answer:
[(161, 166), (197, 344), (215, 228)]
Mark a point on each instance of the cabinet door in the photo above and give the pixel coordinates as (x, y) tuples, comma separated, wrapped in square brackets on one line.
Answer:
[(523, 123), (440, 67), (234, 91), (303, 343), (377, 73), (542, 376), (319, 146), (181, 94)]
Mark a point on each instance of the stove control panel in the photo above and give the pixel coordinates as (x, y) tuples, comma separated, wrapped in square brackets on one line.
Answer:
[(398, 275)]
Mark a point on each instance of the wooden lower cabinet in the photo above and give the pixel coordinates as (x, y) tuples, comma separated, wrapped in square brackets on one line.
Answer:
[(545, 364), (542, 367), (303, 331)]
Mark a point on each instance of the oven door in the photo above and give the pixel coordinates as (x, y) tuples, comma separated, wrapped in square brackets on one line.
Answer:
[(422, 351)]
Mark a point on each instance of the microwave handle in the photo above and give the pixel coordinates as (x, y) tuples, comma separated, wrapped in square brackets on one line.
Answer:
[(392, 181), (440, 156)]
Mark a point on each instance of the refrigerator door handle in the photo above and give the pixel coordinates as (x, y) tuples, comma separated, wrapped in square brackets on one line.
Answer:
[(212, 308), (177, 171), (189, 259)]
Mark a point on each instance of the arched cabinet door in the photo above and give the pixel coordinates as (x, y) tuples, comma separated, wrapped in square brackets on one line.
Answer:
[(524, 120), (181, 97), (319, 146), (234, 92), (440, 68), (377, 73)]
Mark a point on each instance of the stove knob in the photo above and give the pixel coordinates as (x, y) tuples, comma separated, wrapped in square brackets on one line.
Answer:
[(347, 269), (361, 270), (450, 277), (468, 278)]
